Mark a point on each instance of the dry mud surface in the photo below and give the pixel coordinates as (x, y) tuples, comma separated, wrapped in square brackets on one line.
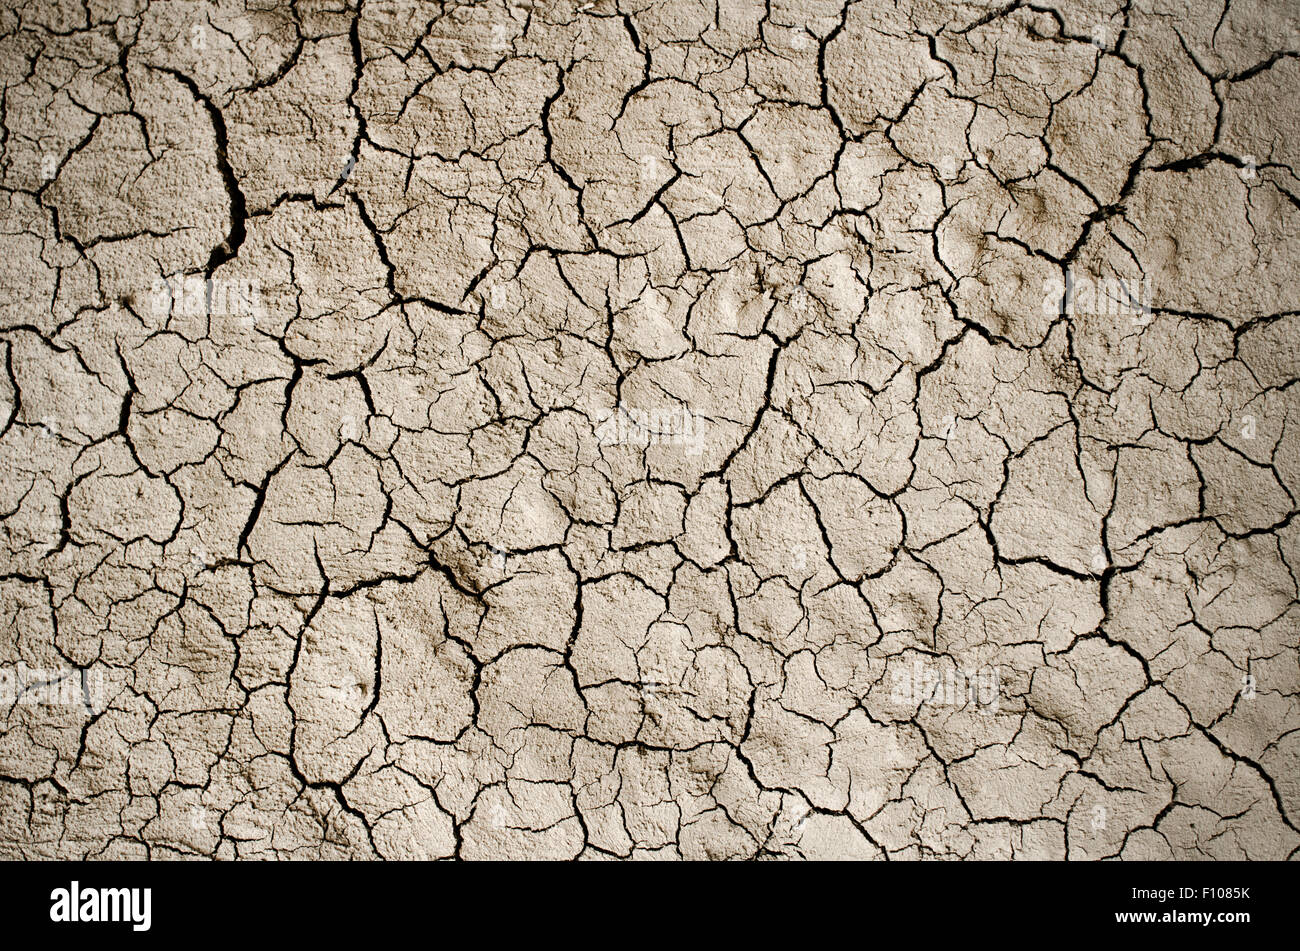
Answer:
[(701, 429)]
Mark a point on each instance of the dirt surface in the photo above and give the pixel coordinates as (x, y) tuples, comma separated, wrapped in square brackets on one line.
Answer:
[(702, 429)]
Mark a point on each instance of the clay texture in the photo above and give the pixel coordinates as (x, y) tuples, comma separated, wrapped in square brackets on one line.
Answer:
[(700, 429)]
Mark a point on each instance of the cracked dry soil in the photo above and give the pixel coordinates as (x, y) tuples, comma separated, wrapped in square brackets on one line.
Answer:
[(701, 429)]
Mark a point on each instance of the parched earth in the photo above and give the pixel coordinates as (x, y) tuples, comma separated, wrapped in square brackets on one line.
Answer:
[(635, 429)]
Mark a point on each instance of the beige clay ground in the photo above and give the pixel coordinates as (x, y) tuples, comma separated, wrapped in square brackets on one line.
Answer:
[(650, 429)]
